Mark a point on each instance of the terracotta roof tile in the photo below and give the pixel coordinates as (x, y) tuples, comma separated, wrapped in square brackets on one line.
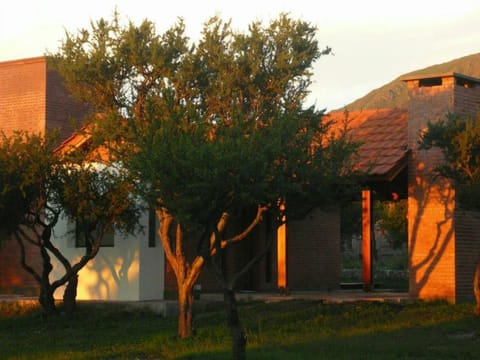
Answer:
[(383, 138), (381, 133)]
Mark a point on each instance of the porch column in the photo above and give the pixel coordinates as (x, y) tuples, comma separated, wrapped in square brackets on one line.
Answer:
[(367, 239), (282, 254)]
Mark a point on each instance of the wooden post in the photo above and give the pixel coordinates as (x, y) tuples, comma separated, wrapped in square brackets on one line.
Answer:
[(282, 255), (367, 239)]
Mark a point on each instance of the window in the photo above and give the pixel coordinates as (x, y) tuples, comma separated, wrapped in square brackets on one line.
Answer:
[(107, 241), (152, 228), (429, 82)]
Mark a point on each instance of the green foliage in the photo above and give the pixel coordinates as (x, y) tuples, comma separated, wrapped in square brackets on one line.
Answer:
[(213, 126), (95, 195), (26, 162), (40, 184), (392, 217), (458, 137)]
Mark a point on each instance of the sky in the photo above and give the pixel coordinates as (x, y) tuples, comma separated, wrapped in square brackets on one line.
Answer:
[(373, 41)]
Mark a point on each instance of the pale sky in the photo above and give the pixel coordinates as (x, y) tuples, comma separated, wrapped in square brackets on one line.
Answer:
[(373, 41)]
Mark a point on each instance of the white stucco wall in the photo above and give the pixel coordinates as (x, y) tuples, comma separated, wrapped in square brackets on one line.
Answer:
[(152, 270), (128, 271)]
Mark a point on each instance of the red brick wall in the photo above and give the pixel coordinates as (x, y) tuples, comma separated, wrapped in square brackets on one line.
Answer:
[(22, 95), (467, 99), (13, 278), (62, 111), (437, 255), (313, 255), (261, 277), (431, 239), (313, 251), (32, 99), (467, 228), (467, 224), (264, 275), (22, 107)]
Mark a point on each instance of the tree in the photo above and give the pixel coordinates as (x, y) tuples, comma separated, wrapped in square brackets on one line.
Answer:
[(39, 187), (392, 219), (458, 137), (211, 130)]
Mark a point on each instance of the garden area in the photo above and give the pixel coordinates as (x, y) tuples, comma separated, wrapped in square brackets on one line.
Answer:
[(295, 329)]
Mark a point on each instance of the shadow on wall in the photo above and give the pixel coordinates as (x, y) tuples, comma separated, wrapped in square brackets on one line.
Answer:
[(111, 276), (431, 247)]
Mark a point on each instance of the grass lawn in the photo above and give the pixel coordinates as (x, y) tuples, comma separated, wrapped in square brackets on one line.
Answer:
[(297, 329)]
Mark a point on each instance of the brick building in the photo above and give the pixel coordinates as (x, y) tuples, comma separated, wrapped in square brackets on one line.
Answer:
[(31, 98), (443, 243), (443, 239), (306, 254)]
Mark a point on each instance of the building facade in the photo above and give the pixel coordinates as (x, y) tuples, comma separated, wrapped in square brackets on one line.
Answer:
[(305, 254), (443, 242), (32, 98)]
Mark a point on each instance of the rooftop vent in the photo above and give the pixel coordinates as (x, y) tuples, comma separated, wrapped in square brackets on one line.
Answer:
[(429, 82)]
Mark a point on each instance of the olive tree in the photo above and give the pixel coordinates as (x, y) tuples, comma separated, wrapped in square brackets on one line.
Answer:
[(210, 129), (40, 186)]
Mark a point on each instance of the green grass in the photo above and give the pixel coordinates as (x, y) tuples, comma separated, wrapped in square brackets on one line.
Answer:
[(297, 329)]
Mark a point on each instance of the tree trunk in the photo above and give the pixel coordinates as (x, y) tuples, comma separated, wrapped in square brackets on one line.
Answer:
[(476, 289), (239, 339), (186, 273), (185, 303), (46, 290), (70, 295), (46, 299)]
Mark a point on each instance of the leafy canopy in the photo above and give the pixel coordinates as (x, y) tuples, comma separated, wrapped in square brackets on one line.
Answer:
[(212, 126), (39, 184), (458, 137), (26, 165)]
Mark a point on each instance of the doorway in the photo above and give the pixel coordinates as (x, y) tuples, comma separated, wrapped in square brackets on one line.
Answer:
[(389, 252)]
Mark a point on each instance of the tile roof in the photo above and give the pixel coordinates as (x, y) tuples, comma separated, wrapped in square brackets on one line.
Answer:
[(83, 139), (383, 137), (381, 133), (74, 141)]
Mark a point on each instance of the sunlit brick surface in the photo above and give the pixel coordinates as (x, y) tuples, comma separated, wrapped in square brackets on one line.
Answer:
[(440, 252), (32, 99)]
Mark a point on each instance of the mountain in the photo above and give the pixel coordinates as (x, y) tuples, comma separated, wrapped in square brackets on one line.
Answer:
[(394, 94)]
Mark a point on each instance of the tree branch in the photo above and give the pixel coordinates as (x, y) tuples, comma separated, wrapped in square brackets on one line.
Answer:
[(165, 222), (27, 237), (260, 210), (23, 259), (252, 262), (179, 247)]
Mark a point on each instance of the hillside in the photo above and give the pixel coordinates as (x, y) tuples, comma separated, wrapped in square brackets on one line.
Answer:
[(394, 94)]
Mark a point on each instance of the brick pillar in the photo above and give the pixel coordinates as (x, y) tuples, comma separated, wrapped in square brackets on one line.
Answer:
[(432, 239), (313, 248)]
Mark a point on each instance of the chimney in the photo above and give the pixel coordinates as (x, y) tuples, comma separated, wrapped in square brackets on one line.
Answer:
[(440, 256)]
